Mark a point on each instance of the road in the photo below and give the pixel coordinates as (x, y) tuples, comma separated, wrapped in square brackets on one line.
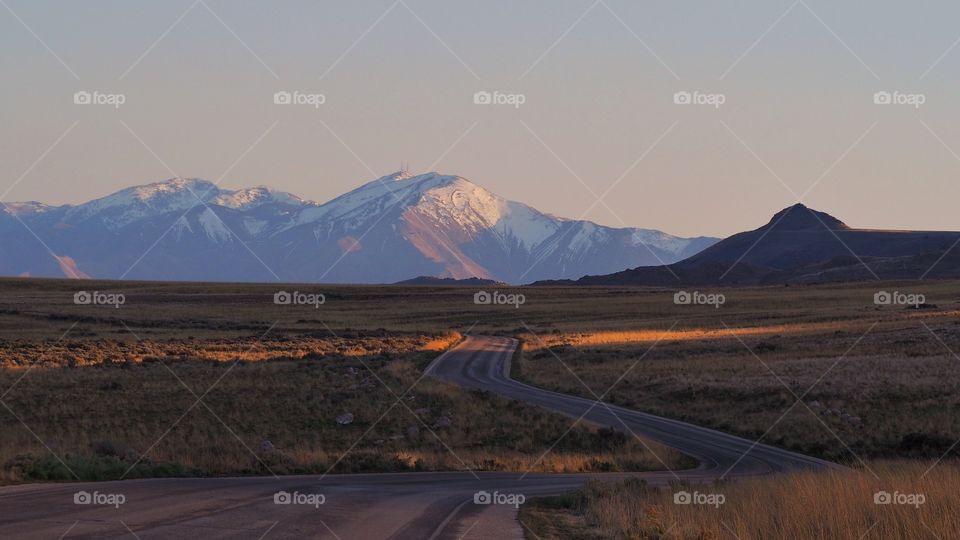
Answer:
[(371, 506), (484, 362)]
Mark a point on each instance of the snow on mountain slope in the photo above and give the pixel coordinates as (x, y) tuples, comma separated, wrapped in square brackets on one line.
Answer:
[(214, 227), (135, 203), (366, 202), (464, 230), (174, 195), (24, 208), (456, 202), (255, 197), (389, 229)]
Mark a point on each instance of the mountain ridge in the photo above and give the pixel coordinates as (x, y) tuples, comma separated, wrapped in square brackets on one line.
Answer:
[(801, 245), (396, 227)]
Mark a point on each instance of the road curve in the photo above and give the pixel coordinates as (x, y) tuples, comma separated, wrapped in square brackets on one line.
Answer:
[(371, 506), (483, 362)]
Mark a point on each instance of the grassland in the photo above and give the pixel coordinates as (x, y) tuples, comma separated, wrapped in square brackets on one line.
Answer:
[(840, 505), (863, 383), (183, 383), (819, 369), (277, 414)]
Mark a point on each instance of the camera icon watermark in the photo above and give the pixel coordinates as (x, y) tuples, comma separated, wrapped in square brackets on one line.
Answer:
[(697, 298), (297, 298), (915, 500), (896, 97), (705, 499), (297, 97), (496, 97), (509, 499), (497, 298), (297, 498), (897, 298), (97, 97), (696, 97), (100, 499), (97, 298)]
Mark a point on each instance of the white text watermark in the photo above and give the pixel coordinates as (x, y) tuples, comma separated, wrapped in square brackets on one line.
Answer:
[(897, 298), (499, 98), (99, 499), (704, 499), (696, 97), (297, 298), (97, 97), (297, 97), (509, 499), (896, 97), (906, 499), (98, 298), (304, 499), (497, 298), (697, 298)]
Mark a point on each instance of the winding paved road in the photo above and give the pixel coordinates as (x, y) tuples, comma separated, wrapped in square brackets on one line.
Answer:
[(484, 362), (371, 506)]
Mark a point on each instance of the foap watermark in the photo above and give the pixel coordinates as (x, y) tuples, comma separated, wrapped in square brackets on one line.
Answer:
[(99, 499), (98, 298), (696, 97), (697, 298), (897, 97), (305, 499), (297, 298), (97, 97), (704, 499), (509, 499), (297, 97), (499, 98), (897, 298), (905, 499), (497, 298)]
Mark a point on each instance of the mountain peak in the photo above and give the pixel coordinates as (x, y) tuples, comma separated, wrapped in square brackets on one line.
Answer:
[(257, 196), (427, 180), (800, 217), (400, 190), (24, 208), (172, 185), (133, 203), (403, 184), (400, 175), (388, 229), (405, 174)]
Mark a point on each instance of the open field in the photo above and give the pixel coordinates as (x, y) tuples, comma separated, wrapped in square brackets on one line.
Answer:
[(45, 308), (878, 385), (837, 505), (271, 406), (102, 384)]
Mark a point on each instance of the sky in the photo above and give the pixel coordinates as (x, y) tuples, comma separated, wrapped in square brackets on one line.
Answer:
[(587, 124)]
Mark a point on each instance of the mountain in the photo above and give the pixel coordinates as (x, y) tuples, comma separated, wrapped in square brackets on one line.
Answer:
[(391, 229), (802, 245), (451, 282)]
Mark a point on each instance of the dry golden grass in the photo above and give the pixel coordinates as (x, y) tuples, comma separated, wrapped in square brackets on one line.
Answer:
[(624, 337), (116, 395), (76, 353), (815, 506), (878, 385), (115, 409)]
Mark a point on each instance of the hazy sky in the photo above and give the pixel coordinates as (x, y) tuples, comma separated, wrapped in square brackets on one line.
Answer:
[(598, 78)]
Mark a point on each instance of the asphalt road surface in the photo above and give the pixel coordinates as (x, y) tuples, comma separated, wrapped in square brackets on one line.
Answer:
[(371, 506)]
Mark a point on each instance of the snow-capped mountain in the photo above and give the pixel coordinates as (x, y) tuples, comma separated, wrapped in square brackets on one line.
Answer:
[(390, 229)]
